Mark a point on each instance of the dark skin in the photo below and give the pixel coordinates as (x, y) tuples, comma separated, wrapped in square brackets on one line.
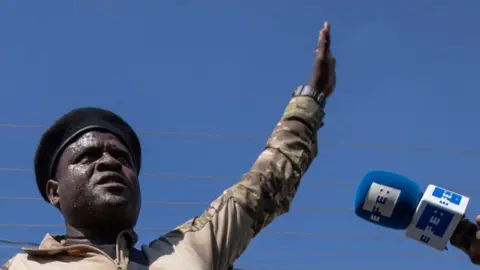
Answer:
[(96, 188), (469, 242), (323, 74), (99, 212)]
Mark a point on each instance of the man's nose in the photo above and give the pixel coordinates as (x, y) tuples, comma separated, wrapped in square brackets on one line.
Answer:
[(108, 163)]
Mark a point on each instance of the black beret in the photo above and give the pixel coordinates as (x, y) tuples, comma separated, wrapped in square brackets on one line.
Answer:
[(70, 127)]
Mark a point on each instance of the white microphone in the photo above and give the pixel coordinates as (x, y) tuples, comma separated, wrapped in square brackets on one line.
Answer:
[(437, 216)]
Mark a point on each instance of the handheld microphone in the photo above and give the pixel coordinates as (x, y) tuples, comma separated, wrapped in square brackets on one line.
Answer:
[(394, 201)]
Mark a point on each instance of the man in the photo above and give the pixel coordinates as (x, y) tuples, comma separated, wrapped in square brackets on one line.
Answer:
[(87, 166)]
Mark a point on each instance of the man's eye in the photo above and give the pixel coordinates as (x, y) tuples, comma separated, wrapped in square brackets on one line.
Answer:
[(89, 157), (86, 159), (123, 160)]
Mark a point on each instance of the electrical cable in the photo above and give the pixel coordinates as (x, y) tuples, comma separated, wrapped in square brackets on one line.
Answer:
[(333, 143)]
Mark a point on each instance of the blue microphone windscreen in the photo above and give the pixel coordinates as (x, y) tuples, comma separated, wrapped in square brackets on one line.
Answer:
[(392, 201)]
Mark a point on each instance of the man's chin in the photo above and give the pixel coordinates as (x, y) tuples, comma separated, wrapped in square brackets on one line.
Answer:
[(113, 200), (111, 213), (112, 195), (112, 204)]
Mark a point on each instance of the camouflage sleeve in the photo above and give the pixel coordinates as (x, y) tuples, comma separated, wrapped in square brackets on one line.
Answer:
[(267, 190), (225, 229)]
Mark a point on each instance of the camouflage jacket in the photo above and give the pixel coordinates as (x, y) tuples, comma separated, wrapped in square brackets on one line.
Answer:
[(215, 239)]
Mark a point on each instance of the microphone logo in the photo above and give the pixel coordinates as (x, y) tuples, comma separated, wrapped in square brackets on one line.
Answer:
[(425, 239), (446, 196), (380, 201), (434, 221)]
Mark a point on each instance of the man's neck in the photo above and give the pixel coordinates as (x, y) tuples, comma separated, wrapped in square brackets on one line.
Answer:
[(97, 237)]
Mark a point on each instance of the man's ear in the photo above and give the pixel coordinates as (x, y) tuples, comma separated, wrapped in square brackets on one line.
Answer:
[(53, 193)]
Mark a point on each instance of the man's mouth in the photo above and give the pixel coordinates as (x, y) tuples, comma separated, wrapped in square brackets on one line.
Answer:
[(113, 185), (112, 180)]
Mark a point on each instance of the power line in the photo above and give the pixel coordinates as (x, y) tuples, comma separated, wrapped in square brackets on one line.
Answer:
[(199, 204), (330, 266), (270, 233), (298, 266), (170, 176), (10, 244), (333, 143), (277, 253), (177, 177), (5, 243)]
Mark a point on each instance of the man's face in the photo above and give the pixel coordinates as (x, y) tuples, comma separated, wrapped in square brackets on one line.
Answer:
[(97, 183)]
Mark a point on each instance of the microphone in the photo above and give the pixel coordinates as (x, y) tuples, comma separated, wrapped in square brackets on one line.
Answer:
[(394, 201)]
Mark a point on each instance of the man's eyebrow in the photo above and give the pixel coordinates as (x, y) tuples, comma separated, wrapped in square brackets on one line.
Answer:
[(121, 150), (82, 147), (116, 146)]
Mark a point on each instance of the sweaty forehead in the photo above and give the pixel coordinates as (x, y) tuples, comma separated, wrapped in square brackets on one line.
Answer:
[(96, 139)]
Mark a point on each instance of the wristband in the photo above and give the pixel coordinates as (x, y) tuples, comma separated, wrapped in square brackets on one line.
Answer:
[(306, 90)]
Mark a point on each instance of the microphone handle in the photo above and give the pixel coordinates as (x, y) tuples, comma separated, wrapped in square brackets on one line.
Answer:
[(464, 234)]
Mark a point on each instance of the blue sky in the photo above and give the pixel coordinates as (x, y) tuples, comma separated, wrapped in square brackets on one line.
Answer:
[(407, 76)]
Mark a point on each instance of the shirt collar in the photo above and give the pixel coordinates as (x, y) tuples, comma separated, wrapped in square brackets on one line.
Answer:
[(54, 244)]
